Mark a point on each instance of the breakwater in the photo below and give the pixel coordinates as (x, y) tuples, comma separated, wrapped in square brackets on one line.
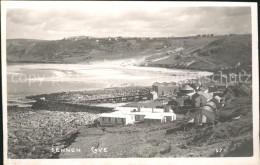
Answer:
[(68, 107)]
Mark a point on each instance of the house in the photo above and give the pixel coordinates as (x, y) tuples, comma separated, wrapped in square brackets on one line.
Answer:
[(202, 116), (195, 85), (165, 88), (159, 117), (212, 106), (181, 100), (218, 101), (220, 87), (116, 119), (200, 100), (152, 95), (231, 92), (187, 89), (153, 118), (206, 96), (204, 89), (131, 115), (197, 99), (247, 90)]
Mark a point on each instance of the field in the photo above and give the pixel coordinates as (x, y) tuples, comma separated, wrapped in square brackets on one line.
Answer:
[(200, 53)]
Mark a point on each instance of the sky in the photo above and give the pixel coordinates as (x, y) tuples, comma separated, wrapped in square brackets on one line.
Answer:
[(96, 20)]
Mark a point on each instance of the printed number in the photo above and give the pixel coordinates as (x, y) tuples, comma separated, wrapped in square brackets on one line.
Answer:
[(219, 150)]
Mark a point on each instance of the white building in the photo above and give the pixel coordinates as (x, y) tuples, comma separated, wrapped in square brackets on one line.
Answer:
[(116, 119), (130, 115)]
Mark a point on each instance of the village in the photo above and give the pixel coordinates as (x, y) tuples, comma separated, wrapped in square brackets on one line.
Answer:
[(196, 101)]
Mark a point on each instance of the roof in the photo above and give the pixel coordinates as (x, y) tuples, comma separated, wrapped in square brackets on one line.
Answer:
[(211, 104), (154, 116), (218, 98), (208, 108), (232, 89), (187, 87), (207, 95), (208, 114), (194, 85), (196, 95), (190, 94), (203, 89), (114, 115), (200, 92)]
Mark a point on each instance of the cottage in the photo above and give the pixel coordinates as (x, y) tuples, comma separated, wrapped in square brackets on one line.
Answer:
[(153, 118), (208, 108), (202, 116), (195, 85), (204, 89), (206, 96), (200, 100), (218, 101), (116, 119), (187, 89), (159, 117), (197, 99), (181, 100), (231, 92), (246, 89)]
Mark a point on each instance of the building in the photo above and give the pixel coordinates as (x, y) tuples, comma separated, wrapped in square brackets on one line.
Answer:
[(206, 97), (153, 118), (218, 101), (195, 85), (204, 89), (159, 118), (199, 100), (181, 100), (152, 95), (116, 119), (212, 106), (231, 92), (131, 115), (202, 116), (186, 89), (165, 88), (246, 89)]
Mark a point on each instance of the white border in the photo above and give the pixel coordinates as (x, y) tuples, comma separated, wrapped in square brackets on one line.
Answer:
[(212, 161)]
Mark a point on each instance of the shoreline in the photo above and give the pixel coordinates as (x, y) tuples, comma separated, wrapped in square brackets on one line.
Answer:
[(122, 85)]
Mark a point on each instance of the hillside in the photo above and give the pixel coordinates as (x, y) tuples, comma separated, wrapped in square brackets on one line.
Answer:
[(200, 53), (232, 137), (78, 50), (222, 53)]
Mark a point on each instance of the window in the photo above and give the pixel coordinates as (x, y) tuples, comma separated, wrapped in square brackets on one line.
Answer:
[(103, 119), (109, 119), (122, 120), (116, 120)]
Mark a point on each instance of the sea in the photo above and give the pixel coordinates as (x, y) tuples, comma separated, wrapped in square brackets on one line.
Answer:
[(34, 79)]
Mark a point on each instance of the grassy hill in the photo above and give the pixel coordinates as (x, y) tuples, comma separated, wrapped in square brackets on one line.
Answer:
[(200, 53), (223, 52), (74, 50), (233, 137)]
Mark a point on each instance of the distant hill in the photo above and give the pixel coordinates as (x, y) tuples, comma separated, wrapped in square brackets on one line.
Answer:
[(204, 53), (75, 50), (222, 53)]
